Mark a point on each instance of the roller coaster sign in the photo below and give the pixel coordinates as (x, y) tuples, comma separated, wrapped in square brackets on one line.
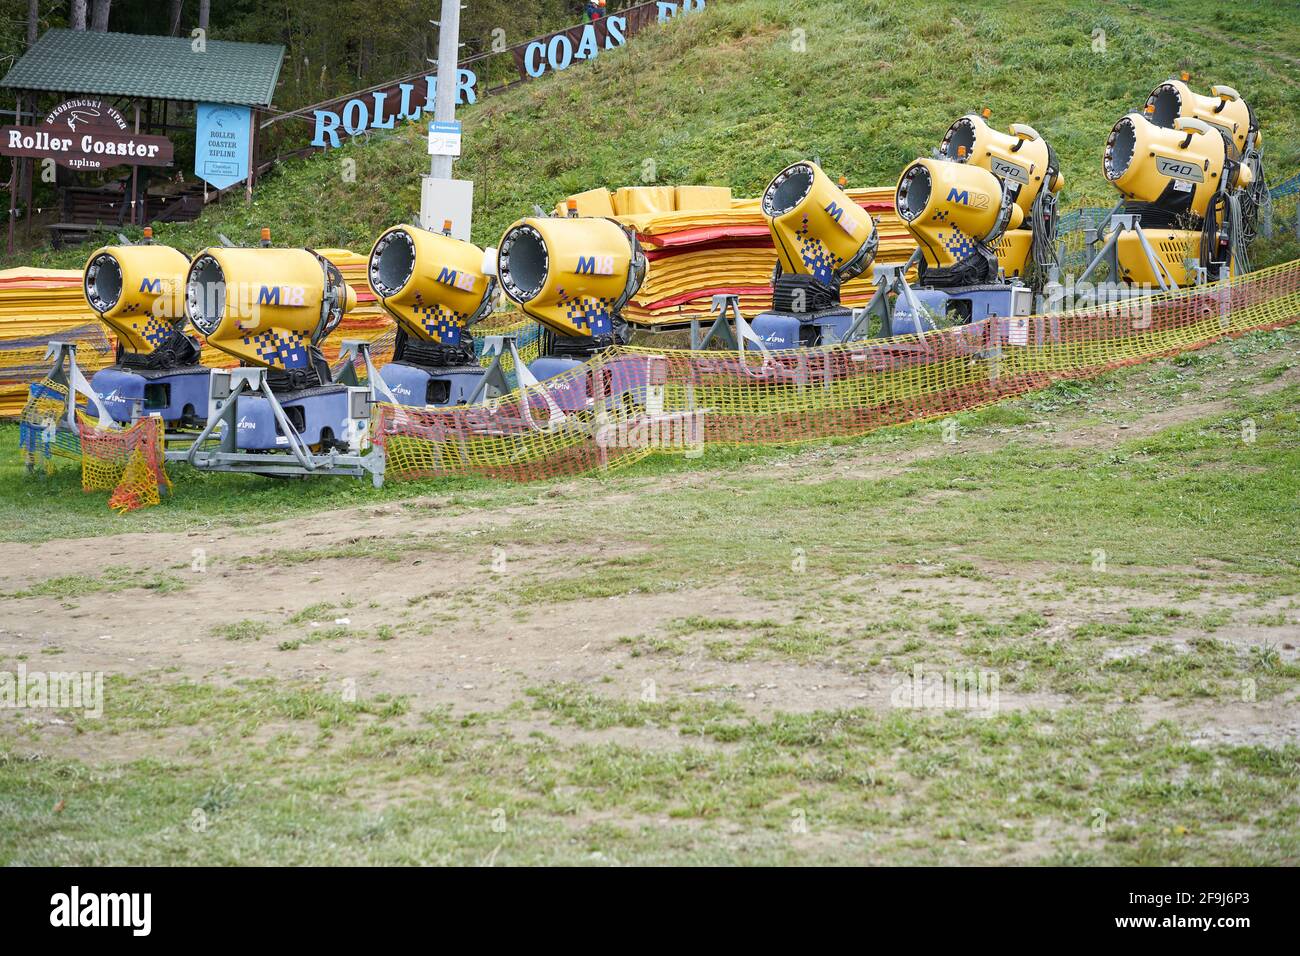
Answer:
[(408, 100), (562, 49), (86, 134)]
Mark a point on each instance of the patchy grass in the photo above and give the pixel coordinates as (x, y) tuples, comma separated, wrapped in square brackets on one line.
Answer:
[(245, 630), (280, 774), (68, 586)]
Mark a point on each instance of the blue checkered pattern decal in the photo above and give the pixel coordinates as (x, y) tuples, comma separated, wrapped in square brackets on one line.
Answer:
[(149, 327), (441, 324), (279, 349), (820, 261), (155, 331), (593, 316), (958, 243)]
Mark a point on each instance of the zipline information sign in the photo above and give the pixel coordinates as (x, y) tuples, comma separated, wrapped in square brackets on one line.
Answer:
[(444, 138), (221, 139)]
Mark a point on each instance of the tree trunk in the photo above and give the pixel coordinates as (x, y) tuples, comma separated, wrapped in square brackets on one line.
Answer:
[(99, 19), (205, 11), (33, 17), (174, 19), (78, 19)]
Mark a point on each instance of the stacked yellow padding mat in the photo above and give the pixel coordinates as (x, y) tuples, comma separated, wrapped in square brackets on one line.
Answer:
[(701, 242)]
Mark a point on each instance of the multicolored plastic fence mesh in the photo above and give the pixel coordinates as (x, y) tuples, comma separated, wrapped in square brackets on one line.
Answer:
[(526, 333), (126, 461), (628, 402), (39, 434)]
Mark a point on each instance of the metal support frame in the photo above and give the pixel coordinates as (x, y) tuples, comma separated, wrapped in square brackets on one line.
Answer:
[(66, 372), (729, 329), (299, 461), (1093, 234), (889, 279), (720, 332), (349, 351), (62, 372), (1109, 253), (495, 383)]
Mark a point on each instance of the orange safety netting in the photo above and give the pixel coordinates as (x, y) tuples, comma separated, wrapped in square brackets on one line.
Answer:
[(627, 402), (126, 461)]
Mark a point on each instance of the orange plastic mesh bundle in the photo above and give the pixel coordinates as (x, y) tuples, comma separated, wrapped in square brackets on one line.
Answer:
[(126, 461), (640, 397)]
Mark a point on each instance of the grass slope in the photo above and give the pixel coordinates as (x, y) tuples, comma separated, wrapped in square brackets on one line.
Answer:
[(726, 96)]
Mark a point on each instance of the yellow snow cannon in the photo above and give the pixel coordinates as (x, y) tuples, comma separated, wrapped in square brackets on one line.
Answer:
[(817, 229), (269, 307), (1177, 180), (955, 211), (1224, 110), (1028, 167), (435, 287), (823, 239), (138, 292), (574, 276)]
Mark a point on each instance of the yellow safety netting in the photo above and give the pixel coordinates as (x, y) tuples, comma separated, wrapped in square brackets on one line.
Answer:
[(126, 461), (628, 402)]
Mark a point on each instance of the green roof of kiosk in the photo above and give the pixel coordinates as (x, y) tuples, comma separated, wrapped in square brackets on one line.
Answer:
[(164, 68)]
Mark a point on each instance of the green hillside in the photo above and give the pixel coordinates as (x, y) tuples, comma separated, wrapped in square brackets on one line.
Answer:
[(730, 95)]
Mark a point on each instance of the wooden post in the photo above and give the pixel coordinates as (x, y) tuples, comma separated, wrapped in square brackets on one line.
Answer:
[(31, 174), (28, 188), (13, 183), (252, 154), (135, 170), (23, 170)]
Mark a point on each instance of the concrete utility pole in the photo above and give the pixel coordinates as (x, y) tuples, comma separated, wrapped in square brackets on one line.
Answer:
[(446, 204), (444, 104)]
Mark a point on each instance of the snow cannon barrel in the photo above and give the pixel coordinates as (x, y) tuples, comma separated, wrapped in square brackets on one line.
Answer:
[(574, 276), (816, 228), (1223, 109), (434, 286), (266, 307), (139, 293), (954, 211), (1177, 169), (1021, 157)]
